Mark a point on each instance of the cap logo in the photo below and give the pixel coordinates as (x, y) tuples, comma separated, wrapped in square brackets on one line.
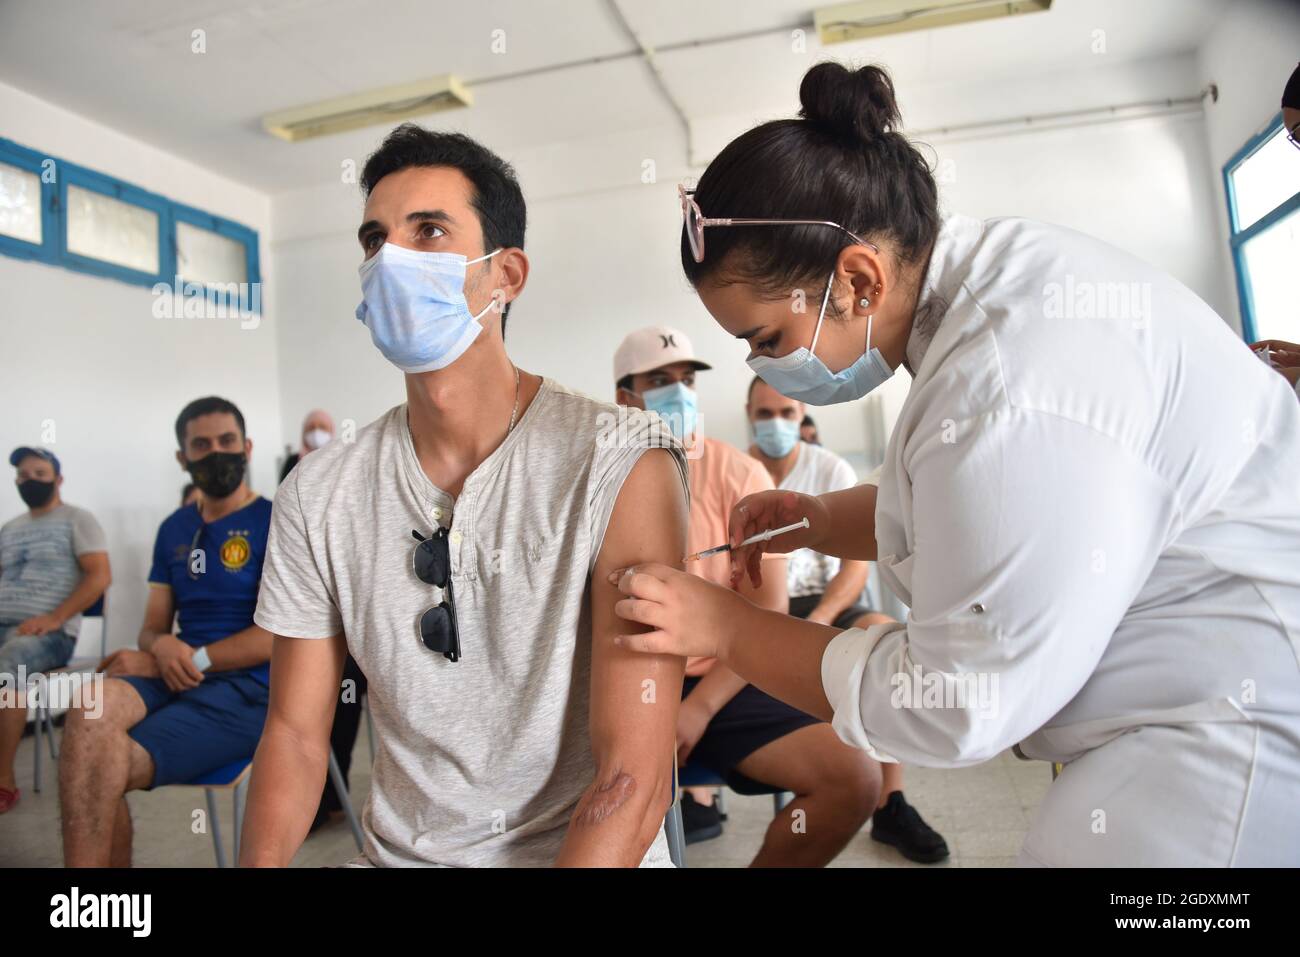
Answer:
[(668, 340)]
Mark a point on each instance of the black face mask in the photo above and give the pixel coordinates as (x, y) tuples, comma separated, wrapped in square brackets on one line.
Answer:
[(218, 474), (36, 493)]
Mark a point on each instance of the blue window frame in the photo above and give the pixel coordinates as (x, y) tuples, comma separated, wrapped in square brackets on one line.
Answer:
[(57, 175), (1240, 236), (115, 189), (230, 230), (31, 161)]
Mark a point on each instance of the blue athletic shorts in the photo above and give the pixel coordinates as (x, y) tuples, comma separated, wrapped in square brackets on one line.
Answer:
[(190, 733)]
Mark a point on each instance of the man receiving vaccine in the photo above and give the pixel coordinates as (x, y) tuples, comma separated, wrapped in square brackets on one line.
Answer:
[(459, 547)]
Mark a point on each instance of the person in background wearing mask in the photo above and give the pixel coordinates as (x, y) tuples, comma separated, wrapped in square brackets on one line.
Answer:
[(460, 549), (825, 589), (808, 431), (53, 566), (726, 724), (317, 431), (186, 701)]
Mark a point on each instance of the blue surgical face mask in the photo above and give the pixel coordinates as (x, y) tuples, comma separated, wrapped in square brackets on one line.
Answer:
[(413, 303), (675, 404), (801, 375), (776, 437)]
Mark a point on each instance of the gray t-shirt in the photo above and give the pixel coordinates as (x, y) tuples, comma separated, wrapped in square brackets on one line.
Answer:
[(38, 561), (482, 761)]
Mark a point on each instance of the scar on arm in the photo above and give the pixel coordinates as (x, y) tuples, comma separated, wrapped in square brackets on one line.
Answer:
[(602, 801)]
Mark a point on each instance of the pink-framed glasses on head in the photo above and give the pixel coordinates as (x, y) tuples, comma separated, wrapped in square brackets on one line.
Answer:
[(696, 221)]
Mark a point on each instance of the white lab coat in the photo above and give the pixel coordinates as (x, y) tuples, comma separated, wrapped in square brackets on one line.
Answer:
[(1094, 516)]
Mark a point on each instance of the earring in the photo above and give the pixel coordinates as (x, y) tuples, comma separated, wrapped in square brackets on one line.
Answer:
[(864, 302)]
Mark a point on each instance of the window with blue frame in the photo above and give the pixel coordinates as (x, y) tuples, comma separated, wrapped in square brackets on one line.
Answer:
[(1262, 182), (67, 215)]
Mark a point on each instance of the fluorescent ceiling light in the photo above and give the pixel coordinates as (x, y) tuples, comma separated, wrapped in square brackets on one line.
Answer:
[(388, 105), (873, 18)]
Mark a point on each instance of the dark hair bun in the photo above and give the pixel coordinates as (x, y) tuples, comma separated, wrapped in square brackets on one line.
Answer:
[(857, 104)]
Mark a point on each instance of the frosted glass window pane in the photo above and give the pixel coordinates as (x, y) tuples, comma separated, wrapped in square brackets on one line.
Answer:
[(208, 257), (112, 231), (1265, 180), (1270, 260), (20, 204)]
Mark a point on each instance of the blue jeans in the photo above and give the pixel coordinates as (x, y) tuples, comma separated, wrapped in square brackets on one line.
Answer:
[(35, 653)]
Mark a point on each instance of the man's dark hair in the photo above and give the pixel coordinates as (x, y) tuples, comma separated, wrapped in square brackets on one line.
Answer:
[(206, 406), (625, 383), (807, 421), (497, 198)]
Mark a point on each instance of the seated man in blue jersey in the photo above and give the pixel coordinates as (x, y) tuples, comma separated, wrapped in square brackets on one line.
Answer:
[(191, 699)]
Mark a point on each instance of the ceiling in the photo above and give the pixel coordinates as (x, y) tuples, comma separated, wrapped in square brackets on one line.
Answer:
[(130, 64)]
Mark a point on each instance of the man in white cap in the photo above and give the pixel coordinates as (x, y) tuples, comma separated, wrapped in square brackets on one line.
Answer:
[(746, 737)]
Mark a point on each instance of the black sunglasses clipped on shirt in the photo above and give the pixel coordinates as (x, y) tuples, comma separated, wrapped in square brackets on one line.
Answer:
[(431, 562)]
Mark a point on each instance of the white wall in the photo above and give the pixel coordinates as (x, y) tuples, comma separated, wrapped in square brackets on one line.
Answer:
[(1250, 53), (87, 355), (604, 245)]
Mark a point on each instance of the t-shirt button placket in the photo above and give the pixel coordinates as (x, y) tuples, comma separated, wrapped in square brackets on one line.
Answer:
[(458, 560)]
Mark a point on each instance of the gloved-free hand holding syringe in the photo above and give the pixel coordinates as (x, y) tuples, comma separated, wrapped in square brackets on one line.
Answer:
[(760, 537)]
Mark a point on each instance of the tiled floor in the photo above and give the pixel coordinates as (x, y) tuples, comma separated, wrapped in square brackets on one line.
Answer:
[(983, 812)]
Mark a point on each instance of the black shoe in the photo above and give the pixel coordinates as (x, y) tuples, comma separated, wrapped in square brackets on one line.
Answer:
[(699, 822), (899, 824)]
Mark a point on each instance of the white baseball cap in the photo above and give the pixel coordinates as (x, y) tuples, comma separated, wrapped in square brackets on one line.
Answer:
[(653, 348)]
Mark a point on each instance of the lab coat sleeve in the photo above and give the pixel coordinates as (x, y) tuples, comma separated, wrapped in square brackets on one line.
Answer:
[(1032, 534)]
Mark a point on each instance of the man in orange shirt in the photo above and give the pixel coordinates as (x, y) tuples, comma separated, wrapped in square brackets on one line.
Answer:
[(744, 735)]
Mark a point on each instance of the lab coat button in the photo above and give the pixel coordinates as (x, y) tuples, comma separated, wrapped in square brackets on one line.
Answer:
[(977, 608), (437, 514), (455, 538)]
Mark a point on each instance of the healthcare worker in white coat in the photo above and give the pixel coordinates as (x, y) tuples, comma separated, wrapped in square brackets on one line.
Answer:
[(1090, 501)]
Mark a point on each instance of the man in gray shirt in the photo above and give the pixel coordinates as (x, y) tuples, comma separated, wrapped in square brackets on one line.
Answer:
[(53, 566), (460, 548)]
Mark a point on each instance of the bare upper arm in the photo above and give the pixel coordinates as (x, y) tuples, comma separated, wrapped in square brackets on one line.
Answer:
[(305, 678), (93, 563), (634, 697)]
